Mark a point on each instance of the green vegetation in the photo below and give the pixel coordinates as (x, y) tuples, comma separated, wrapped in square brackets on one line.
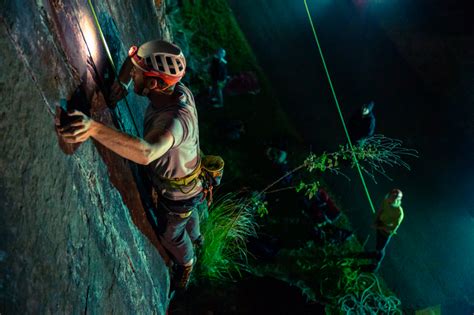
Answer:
[(324, 274), (224, 254), (204, 26), (321, 271), (213, 25), (373, 154)]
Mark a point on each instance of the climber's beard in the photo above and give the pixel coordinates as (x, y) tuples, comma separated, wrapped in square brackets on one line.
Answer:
[(140, 88)]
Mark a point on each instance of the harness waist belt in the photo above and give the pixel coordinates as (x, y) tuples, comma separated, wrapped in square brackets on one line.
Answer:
[(183, 181), (183, 215)]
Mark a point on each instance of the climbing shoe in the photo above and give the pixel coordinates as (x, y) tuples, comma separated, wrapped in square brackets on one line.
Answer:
[(181, 276)]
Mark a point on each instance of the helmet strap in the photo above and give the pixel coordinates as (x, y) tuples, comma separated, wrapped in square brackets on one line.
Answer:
[(167, 89)]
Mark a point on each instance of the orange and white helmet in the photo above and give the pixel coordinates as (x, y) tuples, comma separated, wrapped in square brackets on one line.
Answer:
[(160, 59)]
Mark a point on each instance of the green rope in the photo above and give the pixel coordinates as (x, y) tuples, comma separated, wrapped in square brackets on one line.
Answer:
[(102, 37), (109, 55), (338, 107)]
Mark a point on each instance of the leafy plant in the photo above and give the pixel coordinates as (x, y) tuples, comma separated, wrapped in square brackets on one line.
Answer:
[(310, 189), (372, 155)]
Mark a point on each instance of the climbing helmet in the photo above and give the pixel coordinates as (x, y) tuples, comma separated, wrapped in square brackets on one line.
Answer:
[(160, 59)]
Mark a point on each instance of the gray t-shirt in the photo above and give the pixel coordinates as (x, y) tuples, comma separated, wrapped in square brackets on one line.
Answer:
[(179, 117)]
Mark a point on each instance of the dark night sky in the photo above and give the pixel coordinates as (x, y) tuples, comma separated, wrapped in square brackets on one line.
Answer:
[(416, 60)]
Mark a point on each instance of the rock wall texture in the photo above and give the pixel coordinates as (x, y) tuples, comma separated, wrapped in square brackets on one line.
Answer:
[(74, 234)]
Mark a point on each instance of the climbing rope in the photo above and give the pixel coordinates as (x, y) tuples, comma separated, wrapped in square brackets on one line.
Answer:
[(354, 157), (367, 297), (354, 292), (116, 115), (111, 61)]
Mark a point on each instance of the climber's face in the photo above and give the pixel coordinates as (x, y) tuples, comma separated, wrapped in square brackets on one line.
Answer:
[(138, 81), (143, 85), (396, 199)]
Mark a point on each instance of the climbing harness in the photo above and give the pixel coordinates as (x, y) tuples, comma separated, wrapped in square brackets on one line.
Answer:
[(180, 183), (338, 108), (209, 171)]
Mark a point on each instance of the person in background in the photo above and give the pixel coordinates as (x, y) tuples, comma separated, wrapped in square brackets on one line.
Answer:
[(277, 155), (324, 213), (218, 72), (387, 222), (362, 123)]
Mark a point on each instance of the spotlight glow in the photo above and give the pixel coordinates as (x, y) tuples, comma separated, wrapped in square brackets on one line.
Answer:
[(90, 36)]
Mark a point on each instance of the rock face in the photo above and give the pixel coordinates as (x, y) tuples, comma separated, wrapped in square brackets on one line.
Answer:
[(74, 234)]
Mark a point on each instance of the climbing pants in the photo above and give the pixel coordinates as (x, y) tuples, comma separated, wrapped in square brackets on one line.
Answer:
[(178, 227), (382, 241)]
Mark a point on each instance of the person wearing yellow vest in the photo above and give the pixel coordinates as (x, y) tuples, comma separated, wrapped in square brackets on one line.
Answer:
[(389, 218), (169, 147)]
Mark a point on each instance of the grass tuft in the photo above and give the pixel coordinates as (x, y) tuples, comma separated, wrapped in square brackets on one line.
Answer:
[(230, 222)]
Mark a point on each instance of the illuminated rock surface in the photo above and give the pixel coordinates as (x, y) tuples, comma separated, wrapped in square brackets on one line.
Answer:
[(74, 237)]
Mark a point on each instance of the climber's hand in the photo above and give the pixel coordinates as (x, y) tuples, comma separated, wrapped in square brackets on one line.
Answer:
[(117, 92), (79, 130), (57, 119)]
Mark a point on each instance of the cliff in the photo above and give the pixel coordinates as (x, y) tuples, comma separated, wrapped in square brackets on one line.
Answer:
[(74, 236)]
